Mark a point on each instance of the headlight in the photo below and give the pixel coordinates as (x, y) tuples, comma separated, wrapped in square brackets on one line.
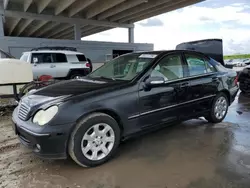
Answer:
[(42, 117)]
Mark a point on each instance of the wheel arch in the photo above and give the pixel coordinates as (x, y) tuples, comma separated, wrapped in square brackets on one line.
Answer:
[(109, 112), (227, 93)]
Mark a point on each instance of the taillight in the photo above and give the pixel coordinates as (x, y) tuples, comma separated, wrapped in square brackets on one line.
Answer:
[(87, 64)]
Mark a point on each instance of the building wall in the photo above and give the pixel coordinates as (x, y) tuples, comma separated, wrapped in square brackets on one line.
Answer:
[(96, 51)]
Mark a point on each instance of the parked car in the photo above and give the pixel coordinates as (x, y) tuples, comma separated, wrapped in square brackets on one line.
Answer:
[(244, 80), (58, 62), (87, 118)]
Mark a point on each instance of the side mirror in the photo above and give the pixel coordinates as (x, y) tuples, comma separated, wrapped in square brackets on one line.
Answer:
[(154, 81)]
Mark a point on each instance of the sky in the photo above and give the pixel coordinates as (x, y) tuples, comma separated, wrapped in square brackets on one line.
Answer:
[(225, 19)]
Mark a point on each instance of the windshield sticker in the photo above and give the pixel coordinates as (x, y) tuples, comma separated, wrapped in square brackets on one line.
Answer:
[(150, 56)]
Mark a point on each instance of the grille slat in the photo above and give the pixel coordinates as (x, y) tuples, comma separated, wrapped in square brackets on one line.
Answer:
[(23, 111)]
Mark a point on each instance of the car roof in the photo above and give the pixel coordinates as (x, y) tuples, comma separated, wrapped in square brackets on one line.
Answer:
[(167, 51), (67, 52)]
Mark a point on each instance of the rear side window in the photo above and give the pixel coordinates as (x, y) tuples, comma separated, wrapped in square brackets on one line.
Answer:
[(59, 58), (24, 57), (81, 57), (197, 65)]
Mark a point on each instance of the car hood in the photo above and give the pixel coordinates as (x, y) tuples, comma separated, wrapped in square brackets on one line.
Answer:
[(77, 87), (61, 91)]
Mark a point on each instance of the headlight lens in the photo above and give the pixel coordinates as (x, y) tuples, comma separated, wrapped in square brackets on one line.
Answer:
[(42, 117)]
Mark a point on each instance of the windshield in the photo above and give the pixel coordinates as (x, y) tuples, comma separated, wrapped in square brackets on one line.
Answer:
[(124, 67)]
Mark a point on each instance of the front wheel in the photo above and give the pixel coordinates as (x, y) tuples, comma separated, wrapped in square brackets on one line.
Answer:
[(219, 109), (94, 140)]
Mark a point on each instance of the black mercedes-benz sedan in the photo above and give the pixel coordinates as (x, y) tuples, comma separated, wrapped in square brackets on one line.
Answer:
[(87, 118)]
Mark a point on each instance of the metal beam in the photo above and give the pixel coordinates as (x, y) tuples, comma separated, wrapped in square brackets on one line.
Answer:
[(26, 4), (5, 4), (101, 7), (42, 4), (131, 38), (164, 9), (139, 8), (96, 30), (80, 5), (36, 27), (13, 26), (63, 34), (62, 5), (77, 31), (119, 8), (62, 19), (1, 26), (48, 27), (159, 7), (89, 31), (58, 30), (21, 27)]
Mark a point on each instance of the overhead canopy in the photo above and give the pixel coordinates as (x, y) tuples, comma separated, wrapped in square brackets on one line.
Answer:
[(57, 18)]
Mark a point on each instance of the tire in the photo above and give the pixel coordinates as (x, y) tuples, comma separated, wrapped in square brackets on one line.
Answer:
[(213, 117), (84, 144), (25, 89), (76, 75)]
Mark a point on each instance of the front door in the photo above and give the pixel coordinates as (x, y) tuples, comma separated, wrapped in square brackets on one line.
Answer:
[(42, 64), (159, 104), (60, 65)]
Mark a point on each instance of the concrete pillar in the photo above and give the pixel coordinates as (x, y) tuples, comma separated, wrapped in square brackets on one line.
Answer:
[(131, 35), (77, 30), (1, 26)]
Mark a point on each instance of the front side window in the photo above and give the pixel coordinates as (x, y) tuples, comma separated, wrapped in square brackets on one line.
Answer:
[(197, 65), (170, 68), (124, 67), (42, 58)]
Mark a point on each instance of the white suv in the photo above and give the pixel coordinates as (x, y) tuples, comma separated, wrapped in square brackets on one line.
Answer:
[(58, 62)]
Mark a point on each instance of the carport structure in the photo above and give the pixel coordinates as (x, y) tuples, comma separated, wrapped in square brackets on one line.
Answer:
[(73, 19)]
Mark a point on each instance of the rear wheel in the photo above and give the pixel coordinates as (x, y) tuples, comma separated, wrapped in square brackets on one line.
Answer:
[(76, 75), (94, 140), (219, 109)]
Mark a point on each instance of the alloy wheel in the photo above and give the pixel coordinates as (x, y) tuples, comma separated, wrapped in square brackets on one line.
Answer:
[(98, 141), (220, 107)]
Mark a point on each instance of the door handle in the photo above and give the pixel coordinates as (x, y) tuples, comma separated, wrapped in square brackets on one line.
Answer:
[(184, 85), (52, 66)]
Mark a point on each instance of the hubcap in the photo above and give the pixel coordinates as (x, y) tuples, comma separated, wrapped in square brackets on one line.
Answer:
[(98, 141), (220, 107)]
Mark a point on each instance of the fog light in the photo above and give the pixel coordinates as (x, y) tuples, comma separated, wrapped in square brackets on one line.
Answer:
[(38, 147)]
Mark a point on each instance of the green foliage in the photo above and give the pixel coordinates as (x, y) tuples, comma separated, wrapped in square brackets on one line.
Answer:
[(240, 56)]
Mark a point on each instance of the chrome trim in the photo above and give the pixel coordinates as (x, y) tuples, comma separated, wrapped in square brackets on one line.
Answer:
[(134, 116), (190, 77), (167, 107), (33, 133)]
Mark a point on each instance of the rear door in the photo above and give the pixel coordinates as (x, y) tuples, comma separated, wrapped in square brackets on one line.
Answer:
[(203, 83), (60, 65), (161, 104), (42, 64)]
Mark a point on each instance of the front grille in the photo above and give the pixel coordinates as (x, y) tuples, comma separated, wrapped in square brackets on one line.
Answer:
[(23, 111)]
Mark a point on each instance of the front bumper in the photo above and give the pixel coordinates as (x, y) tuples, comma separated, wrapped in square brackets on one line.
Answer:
[(49, 142)]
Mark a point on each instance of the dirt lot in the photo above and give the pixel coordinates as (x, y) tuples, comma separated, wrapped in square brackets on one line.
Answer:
[(193, 154)]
